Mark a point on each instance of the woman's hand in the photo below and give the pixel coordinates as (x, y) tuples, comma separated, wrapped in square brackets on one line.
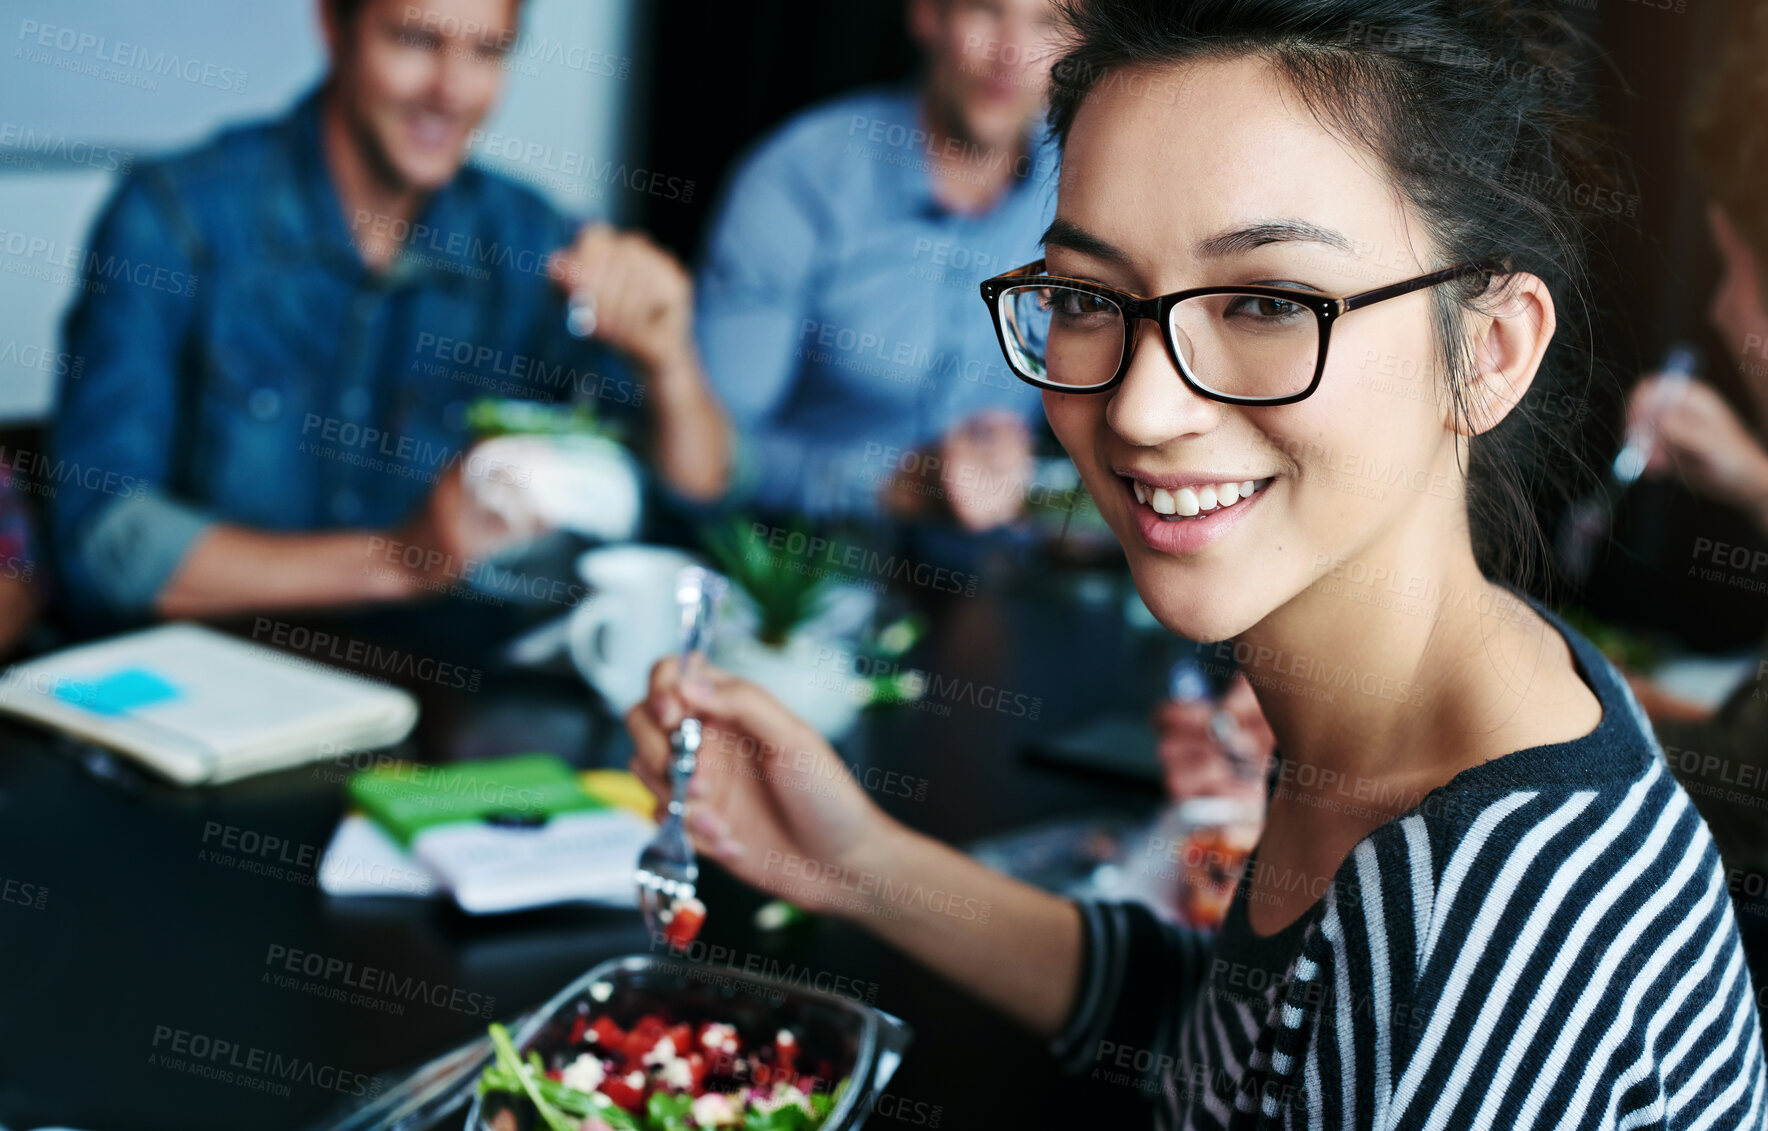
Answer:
[(773, 804), (770, 801), (1699, 435)]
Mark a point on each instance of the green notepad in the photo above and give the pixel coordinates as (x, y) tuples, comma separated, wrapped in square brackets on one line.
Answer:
[(407, 798)]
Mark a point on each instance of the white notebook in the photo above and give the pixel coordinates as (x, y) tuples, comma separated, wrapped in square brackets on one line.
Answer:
[(199, 706), (576, 857)]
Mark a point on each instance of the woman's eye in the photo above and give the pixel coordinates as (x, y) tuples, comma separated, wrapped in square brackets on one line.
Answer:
[(1074, 304), (1263, 307)]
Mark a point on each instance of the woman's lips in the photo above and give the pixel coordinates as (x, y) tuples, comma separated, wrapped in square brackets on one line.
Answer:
[(1178, 533)]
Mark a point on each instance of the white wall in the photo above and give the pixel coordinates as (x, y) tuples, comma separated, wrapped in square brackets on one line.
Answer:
[(122, 78)]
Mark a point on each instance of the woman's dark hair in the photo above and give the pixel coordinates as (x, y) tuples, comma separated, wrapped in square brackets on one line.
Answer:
[(1474, 107)]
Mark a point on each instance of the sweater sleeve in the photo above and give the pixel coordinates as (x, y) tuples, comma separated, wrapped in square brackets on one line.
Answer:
[(1139, 978)]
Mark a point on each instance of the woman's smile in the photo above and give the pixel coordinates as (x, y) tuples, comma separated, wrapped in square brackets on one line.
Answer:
[(1182, 514)]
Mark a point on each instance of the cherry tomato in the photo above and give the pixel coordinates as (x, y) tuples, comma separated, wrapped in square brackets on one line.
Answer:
[(685, 920), (683, 1038), (617, 1089), (637, 1043), (607, 1034)]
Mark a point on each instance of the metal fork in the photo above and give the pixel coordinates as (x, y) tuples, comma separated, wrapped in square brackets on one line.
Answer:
[(667, 872)]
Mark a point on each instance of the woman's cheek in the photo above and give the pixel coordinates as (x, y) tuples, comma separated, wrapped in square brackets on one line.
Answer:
[(1076, 424)]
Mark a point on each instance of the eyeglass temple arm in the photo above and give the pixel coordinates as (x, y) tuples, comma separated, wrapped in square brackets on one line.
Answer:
[(1395, 290)]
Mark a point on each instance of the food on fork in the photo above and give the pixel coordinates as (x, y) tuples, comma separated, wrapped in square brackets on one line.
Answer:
[(681, 921)]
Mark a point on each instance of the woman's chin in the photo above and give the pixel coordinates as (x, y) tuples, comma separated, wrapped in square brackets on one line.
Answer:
[(1193, 611)]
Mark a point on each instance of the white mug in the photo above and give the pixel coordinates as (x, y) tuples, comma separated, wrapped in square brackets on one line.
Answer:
[(629, 621)]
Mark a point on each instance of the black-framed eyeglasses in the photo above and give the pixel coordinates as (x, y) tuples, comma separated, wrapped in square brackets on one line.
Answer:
[(1246, 345)]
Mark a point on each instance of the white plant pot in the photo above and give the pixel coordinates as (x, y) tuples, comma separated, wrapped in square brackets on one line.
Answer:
[(811, 675)]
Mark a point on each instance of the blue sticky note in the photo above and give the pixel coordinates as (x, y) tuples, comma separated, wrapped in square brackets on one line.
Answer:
[(117, 693)]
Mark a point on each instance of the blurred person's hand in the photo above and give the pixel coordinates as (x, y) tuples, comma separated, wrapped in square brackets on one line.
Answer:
[(1699, 436), (1737, 309), (981, 469), (643, 297), (454, 528), (1194, 762), (769, 799)]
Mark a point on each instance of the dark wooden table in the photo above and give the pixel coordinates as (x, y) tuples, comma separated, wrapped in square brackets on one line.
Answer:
[(128, 944)]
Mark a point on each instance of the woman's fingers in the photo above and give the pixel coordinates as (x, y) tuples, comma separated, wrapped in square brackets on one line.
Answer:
[(712, 833), (650, 753), (739, 705)]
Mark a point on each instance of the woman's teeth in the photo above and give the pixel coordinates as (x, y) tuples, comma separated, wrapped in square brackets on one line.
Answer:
[(1193, 502)]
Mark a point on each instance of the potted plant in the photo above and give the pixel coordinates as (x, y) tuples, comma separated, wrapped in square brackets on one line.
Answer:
[(800, 627)]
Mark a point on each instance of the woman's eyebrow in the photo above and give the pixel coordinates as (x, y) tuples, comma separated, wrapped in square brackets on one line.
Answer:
[(1267, 232), (1068, 234)]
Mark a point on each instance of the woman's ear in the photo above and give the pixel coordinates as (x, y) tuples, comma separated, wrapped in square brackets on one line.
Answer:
[(1511, 338)]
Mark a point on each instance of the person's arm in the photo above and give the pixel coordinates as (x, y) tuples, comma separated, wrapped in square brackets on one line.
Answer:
[(234, 569), (1088, 977), (116, 531), (690, 436), (1697, 434), (758, 328), (1018, 948), (124, 541), (643, 303), (755, 324), (777, 808)]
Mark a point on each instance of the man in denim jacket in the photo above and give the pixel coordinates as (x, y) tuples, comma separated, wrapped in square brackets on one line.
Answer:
[(282, 329)]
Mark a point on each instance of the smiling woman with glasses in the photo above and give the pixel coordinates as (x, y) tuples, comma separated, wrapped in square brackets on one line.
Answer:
[(1300, 306)]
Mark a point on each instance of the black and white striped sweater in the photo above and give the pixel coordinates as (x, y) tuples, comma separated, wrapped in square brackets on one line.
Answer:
[(1544, 942)]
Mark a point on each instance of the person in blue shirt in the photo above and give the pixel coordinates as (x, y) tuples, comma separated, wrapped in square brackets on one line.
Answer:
[(276, 378), (832, 298)]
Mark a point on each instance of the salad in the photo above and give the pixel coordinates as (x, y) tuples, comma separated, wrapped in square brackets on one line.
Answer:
[(662, 1076)]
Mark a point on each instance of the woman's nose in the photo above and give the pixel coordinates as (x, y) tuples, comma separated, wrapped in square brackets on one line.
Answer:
[(1153, 404)]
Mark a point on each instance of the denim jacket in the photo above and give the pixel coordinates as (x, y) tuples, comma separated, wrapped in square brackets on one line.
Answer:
[(241, 364)]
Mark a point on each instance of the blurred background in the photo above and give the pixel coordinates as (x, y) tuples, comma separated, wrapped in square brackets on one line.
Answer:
[(619, 83)]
